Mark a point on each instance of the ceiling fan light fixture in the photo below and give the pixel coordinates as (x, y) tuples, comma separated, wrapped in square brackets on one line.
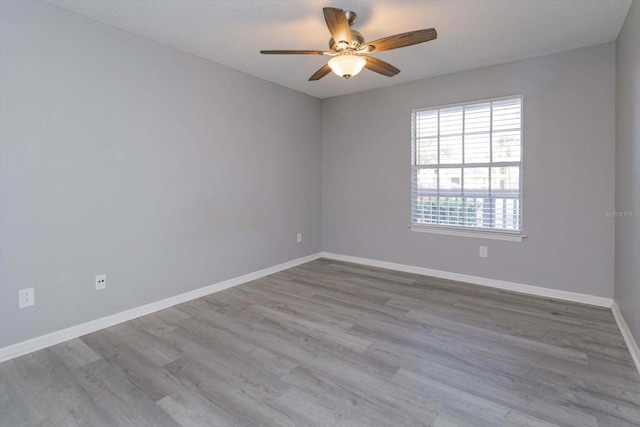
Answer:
[(345, 52), (347, 65)]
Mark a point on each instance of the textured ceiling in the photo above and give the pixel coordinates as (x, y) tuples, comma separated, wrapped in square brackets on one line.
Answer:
[(471, 33)]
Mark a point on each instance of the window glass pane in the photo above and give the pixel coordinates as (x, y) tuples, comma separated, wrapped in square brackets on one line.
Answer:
[(505, 180), (476, 181), (426, 123), (506, 114), (427, 151), (477, 118), (451, 121), (427, 181), (476, 148), (451, 149), (506, 146), (450, 181)]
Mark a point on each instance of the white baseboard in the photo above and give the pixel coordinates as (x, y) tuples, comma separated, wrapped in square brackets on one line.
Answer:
[(632, 345), (482, 281), (38, 343)]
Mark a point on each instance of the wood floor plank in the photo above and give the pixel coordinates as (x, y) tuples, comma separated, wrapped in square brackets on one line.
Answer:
[(18, 395), (525, 395), (443, 326), (335, 343), (75, 353), (191, 409), (236, 405), (120, 398), (226, 356), (154, 381), (372, 409), (154, 349), (460, 401), (306, 409), (163, 321), (314, 329)]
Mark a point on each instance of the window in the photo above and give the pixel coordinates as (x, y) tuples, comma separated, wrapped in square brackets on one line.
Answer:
[(466, 167)]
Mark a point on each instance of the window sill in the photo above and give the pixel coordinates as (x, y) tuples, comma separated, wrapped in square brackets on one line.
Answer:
[(468, 233)]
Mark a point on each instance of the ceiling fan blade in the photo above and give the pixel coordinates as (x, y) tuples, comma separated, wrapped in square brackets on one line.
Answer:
[(338, 25), (380, 67), (402, 40), (293, 52), (320, 73)]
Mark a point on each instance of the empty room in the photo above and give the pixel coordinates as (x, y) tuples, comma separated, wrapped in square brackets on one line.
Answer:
[(303, 213)]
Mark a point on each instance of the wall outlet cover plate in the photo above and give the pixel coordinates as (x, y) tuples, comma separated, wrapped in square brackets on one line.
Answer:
[(26, 298), (101, 281)]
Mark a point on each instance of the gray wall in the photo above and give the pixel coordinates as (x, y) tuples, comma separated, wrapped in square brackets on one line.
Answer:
[(627, 293), (126, 157), (569, 159)]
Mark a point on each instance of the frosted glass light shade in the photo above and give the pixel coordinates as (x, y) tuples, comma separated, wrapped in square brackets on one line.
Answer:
[(347, 65)]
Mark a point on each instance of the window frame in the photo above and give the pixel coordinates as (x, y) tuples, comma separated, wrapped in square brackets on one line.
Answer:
[(462, 230)]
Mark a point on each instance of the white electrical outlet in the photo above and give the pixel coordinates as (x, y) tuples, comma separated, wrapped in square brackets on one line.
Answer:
[(299, 237), (483, 252), (26, 298), (101, 281)]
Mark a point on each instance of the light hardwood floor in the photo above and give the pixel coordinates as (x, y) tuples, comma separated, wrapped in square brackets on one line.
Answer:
[(332, 343)]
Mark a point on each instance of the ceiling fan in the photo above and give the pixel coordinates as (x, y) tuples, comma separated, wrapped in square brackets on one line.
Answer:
[(347, 47)]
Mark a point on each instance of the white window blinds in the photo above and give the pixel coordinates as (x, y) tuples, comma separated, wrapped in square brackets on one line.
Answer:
[(466, 166)]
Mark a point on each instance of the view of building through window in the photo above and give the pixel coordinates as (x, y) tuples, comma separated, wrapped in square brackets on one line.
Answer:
[(466, 165)]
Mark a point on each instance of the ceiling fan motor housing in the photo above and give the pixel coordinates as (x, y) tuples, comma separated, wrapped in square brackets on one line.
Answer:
[(357, 40)]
